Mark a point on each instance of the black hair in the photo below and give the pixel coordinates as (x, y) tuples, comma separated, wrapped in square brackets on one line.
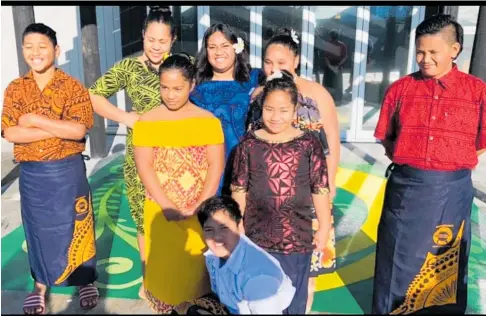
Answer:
[(182, 62), (217, 203), (334, 34), (285, 83), (160, 14), (242, 66), (436, 24), (43, 29), (283, 36)]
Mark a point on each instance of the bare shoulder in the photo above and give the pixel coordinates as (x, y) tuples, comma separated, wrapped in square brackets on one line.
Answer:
[(314, 91), (319, 91), (202, 113), (152, 115)]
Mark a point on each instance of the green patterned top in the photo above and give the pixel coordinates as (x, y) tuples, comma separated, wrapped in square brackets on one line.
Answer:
[(143, 87), (139, 80)]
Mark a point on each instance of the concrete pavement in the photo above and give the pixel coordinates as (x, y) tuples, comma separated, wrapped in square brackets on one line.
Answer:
[(364, 158)]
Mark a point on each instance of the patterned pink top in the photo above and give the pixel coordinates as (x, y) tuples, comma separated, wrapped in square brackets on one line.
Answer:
[(279, 179)]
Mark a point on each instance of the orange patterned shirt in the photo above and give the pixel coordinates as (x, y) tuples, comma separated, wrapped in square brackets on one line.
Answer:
[(63, 98)]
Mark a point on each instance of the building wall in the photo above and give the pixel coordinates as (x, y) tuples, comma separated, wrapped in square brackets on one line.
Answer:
[(312, 22), (10, 67), (66, 22)]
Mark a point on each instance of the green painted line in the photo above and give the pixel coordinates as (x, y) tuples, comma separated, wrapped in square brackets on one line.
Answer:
[(119, 264)]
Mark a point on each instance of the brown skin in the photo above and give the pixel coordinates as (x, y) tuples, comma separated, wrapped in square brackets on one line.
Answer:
[(277, 114), (175, 90), (434, 54), (40, 54), (221, 56), (221, 234), (157, 43), (279, 57)]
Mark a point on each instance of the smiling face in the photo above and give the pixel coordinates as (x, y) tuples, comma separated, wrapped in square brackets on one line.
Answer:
[(435, 53), (157, 42), (221, 54), (39, 52), (278, 111), (174, 89), (278, 57), (221, 234)]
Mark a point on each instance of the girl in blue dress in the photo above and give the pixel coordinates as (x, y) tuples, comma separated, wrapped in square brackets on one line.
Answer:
[(224, 83)]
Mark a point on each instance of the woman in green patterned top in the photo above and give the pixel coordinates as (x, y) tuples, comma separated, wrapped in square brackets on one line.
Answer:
[(139, 77)]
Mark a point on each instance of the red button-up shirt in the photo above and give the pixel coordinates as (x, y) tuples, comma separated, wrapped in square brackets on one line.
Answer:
[(442, 123)]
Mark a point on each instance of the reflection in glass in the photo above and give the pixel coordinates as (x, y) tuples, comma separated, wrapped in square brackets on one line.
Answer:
[(334, 45), (185, 18), (468, 18), (387, 61), (275, 17), (237, 17)]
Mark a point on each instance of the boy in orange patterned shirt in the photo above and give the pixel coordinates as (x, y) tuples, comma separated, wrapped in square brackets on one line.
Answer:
[(46, 114)]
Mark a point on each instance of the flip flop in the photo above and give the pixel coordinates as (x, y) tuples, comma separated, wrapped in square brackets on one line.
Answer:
[(87, 293), (35, 301)]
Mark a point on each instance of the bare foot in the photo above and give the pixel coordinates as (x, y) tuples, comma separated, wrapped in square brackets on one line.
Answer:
[(88, 296), (141, 293), (33, 304)]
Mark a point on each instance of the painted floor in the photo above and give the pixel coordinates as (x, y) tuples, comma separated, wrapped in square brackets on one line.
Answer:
[(347, 291)]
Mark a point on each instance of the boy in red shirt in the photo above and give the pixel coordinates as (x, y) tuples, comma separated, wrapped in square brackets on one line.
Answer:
[(432, 125)]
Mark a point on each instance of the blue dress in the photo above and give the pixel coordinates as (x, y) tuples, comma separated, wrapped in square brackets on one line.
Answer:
[(229, 101)]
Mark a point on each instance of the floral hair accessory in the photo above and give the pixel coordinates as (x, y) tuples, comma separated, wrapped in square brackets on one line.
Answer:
[(294, 36), (275, 75), (240, 46)]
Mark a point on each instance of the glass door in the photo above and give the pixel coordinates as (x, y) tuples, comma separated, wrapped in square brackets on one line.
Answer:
[(331, 49), (387, 54)]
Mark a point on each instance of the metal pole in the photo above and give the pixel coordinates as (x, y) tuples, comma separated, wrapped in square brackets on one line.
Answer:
[(478, 60), (92, 71), (451, 10), (23, 16)]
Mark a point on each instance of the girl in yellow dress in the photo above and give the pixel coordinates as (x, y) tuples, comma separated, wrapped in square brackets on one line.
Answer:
[(179, 156)]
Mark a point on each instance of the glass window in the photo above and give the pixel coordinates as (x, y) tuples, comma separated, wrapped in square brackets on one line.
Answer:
[(131, 23), (275, 17), (468, 18), (185, 19), (388, 45), (334, 45), (237, 17)]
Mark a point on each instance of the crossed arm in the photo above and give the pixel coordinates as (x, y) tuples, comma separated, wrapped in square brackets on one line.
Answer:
[(33, 127)]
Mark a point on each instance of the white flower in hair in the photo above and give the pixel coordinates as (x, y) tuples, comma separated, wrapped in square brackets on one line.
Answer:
[(240, 46), (294, 36), (275, 75)]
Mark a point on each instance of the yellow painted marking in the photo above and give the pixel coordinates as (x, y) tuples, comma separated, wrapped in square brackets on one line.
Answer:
[(370, 189), (351, 273), (328, 281)]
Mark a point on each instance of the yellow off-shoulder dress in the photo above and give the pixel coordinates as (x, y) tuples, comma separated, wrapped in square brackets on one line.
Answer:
[(175, 268)]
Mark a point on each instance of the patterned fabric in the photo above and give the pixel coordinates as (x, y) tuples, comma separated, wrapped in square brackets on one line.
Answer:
[(206, 305), (279, 179), (423, 245), (180, 162), (440, 121), (58, 221), (63, 98), (308, 119), (229, 101), (143, 88), (324, 261), (181, 172)]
